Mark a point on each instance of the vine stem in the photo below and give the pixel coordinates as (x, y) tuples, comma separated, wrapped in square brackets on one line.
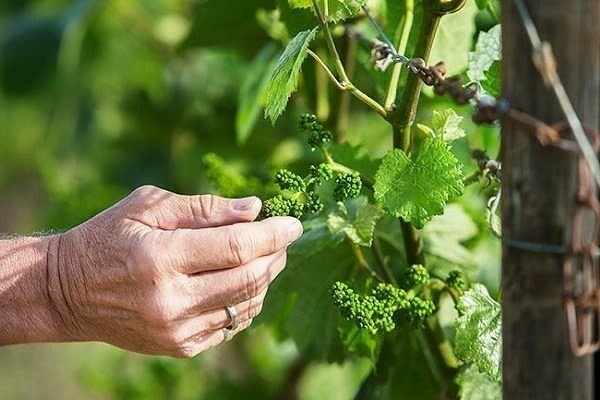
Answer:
[(407, 22), (362, 261), (344, 82)]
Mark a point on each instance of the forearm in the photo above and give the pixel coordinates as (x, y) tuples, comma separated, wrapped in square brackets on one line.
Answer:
[(26, 313)]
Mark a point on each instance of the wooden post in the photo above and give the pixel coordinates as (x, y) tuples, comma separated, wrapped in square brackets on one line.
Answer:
[(538, 192)]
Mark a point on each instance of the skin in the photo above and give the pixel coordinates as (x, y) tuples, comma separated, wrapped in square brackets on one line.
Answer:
[(151, 274)]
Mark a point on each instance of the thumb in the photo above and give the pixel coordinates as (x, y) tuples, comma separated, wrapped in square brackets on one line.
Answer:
[(166, 210)]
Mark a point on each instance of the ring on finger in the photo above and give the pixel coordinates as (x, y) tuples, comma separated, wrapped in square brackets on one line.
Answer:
[(228, 334), (233, 315)]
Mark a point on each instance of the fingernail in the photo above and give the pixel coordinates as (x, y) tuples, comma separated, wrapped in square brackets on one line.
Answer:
[(244, 204), (294, 229)]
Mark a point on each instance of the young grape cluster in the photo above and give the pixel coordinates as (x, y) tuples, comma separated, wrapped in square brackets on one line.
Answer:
[(456, 281), (287, 180), (317, 134), (299, 195), (375, 311), (347, 186), (416, 275)]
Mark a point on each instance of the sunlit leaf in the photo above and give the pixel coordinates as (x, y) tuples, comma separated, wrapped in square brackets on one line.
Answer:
[(417, 188), (336, 10), (479, 331), (454, 38), (284, 80), (487, 49), (445, 124), (357, 221), (477, 386), (253, 92)]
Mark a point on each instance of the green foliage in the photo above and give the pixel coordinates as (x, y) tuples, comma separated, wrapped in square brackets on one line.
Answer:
[(444, 238), (453, 39), (477, 386), (479, 332), (146, 92), (491, 6), (253, 92), (446, 123), (487, 50), (355, 221), (491, 83), (284, 80), (417, 188), (227, 180), (336, 10)]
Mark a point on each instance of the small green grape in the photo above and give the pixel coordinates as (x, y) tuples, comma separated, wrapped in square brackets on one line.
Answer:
[(348, 185), (456, 281), (287, 180), (321, 173), (417, 275), (318, 138), (419, 310), (314, 205)]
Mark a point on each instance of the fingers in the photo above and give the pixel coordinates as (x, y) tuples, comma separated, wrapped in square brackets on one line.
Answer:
[(194, 251), (158, 208), (207, 340), (215, 289), (192, 335)]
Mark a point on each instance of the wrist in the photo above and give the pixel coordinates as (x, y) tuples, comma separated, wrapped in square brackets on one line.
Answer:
[(27, 311)]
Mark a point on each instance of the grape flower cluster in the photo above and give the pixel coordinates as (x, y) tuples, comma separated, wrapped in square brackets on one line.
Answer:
[(317, 134), (456, 281), (375, 311), (416, 275), (299, 195), (347, 186)]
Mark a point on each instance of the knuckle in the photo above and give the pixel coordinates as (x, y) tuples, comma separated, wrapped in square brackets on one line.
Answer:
[(254, 309), (142, 264), (185, 351), (252, 284), (204, 207), (240, 249), (273, 239), (144, 191)]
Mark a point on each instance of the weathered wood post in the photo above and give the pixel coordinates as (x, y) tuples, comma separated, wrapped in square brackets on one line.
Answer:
[(539, 191)]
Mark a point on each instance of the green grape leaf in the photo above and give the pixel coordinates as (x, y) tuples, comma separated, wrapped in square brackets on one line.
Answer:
[(419, 187), (355, 157), (487, 49), (407, 380), (478, 337), (357, 221), (445, 124), (453, 39), (299, 302), (492, 6), (253, 92), (491, 83), (443, 238), (477, 386), (336, 10), (284, 80)]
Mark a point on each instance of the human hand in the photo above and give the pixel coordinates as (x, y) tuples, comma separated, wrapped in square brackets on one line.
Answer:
[(154, 273)]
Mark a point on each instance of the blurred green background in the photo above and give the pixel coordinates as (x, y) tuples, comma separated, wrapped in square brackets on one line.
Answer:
[(99, 97)]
